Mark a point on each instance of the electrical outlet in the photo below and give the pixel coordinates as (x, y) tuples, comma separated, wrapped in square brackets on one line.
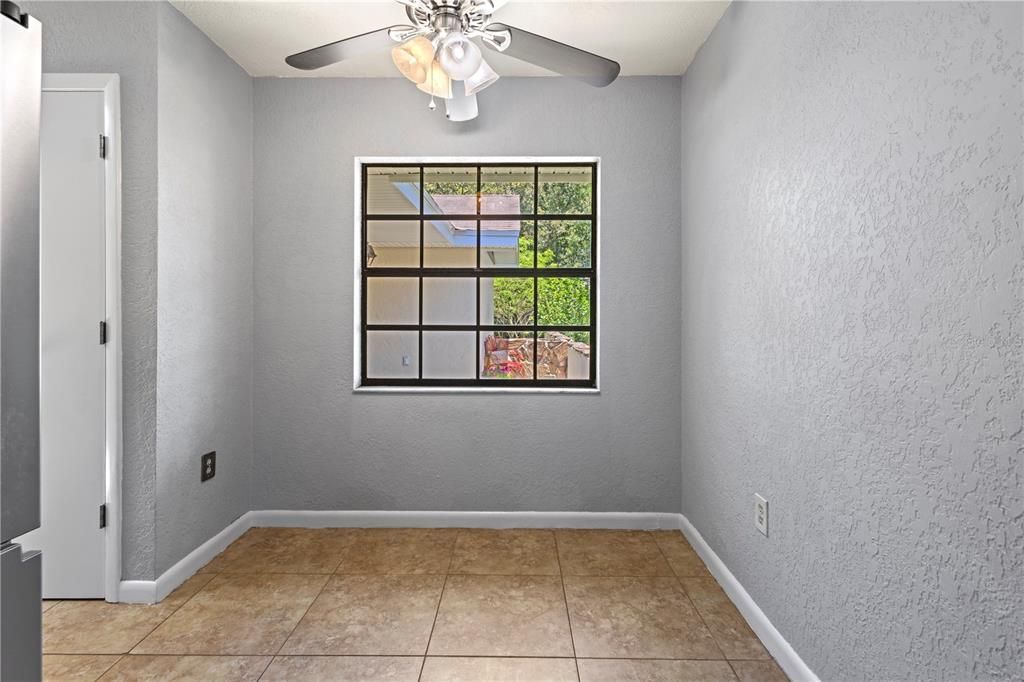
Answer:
[(209, 466), (406, 360), (761, 514)]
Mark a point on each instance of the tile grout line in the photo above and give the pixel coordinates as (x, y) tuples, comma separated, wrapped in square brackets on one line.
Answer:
[(267, 666), (297, 623), (682, 588), (565, 600), (707, 576), (451, 557), (110, 667), (426, 649), (296, 626), (163, 620)]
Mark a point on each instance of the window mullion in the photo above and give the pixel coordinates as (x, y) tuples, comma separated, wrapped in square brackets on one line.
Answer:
[(363, 337), (419, 332), (479, 232), (536, 301)]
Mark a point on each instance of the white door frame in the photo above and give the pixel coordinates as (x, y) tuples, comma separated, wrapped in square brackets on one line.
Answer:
[(110, 85)]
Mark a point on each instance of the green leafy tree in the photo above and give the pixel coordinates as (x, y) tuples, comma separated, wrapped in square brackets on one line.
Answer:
[(563, 243), (568, 241)]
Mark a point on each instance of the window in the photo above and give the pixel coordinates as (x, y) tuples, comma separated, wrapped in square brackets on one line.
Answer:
[(478, 274)]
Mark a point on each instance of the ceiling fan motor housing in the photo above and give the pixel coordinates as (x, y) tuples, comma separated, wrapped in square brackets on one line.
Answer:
[(438, 18)]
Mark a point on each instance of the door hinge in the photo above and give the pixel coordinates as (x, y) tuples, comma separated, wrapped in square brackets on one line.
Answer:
[(103, 146), (103, 516), (103, 332)]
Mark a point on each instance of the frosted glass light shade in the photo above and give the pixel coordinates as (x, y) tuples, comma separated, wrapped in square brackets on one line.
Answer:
[(480, 79), (461, 107), (437, 82), (413, 58), (459, 56)]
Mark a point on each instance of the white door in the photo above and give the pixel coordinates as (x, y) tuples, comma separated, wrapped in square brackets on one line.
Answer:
[(72, 305)]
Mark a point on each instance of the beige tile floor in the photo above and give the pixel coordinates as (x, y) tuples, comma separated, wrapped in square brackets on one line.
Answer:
[(429, 605)]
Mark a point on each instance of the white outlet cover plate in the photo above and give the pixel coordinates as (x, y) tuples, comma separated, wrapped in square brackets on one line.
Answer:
[(761, 514)]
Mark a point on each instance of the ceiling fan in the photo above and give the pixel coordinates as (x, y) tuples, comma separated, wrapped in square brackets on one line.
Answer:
[(441, 46)]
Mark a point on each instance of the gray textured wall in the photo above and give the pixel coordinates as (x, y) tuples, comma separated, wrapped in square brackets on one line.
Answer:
[(318, 446), (187, 167), (204, 389), (853, 266), (121, 37)]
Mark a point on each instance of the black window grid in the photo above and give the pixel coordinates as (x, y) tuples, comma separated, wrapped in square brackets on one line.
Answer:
[(535, 273)]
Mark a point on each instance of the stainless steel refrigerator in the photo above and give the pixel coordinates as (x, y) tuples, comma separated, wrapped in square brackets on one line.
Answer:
[(20, 570)]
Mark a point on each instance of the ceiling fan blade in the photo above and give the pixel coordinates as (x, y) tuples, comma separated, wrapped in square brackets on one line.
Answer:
[(558, 57), (340, 50)]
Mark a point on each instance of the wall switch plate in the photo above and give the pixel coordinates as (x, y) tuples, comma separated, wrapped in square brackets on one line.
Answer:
[(761, 514), (209, 466)]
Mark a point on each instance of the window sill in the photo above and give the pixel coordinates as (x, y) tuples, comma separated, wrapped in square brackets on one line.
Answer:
[(473, 389)]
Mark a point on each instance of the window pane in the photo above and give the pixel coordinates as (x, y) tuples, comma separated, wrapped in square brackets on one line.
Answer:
[(563, 355), (392, 190), (513, 218), (507, 355), (563, 301), (392, 300), (449, 191), (392, 355), (506, 301), (565, 190), (449, 355), (563, 243), (393, 244), (449, 243), (506, 244), (449, 300), (506, 190)]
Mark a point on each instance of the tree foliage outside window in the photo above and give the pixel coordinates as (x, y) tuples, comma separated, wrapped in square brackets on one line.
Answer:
[(564, 244)]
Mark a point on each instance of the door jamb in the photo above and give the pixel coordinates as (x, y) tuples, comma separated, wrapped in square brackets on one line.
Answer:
[(110, 85)]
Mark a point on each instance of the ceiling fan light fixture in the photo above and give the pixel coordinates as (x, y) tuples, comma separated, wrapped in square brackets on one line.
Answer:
[(437, 82), (461, 108), (413, 58), (481, 78), (459, 56), (443, 43)]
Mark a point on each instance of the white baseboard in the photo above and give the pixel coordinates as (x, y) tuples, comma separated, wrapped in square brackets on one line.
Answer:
[(152, 591), (787, 658), (463, 519), (137, 592)]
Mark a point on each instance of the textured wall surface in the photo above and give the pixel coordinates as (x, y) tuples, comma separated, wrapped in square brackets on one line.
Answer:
[(121, 37), (319, 446), (204, 394), (853, 266)]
